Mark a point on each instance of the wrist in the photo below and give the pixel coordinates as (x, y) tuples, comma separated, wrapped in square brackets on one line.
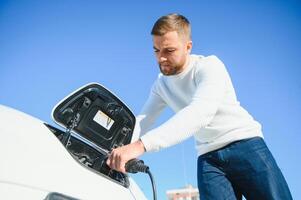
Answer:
[(141, 145)]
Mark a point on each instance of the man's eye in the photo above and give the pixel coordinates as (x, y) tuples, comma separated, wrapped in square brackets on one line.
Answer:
[(170, 50), (156, 50)]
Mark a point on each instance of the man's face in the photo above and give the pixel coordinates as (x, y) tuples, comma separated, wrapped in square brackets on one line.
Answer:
[(171, 52)]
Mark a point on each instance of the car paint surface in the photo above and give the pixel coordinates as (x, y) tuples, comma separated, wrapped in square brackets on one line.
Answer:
[(34, 159)]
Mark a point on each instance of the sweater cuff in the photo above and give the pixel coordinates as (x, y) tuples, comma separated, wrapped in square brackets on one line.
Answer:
[(147, 142)]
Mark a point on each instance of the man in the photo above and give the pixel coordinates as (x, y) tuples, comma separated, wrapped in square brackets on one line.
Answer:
[(233, 158)]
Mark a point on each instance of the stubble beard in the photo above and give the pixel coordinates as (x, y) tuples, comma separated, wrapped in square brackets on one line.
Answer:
[(172, 69)]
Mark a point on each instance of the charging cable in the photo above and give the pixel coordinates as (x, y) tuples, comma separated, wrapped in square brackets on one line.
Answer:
[(135, 165)]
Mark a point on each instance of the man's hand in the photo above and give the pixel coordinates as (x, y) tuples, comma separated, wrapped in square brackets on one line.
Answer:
[(121, 155)]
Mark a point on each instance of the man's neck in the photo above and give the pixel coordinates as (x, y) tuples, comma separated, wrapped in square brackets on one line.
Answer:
[(186, 64)]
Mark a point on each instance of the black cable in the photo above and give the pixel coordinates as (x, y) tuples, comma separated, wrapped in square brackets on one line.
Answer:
[(153, 184)]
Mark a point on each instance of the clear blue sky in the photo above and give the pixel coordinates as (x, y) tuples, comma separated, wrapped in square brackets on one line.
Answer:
[(50, 48)]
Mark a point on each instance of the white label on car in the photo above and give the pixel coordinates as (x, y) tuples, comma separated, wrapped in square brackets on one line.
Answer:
[(103, 120)]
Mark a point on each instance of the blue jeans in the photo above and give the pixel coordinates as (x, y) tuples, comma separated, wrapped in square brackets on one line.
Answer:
[(243, 168)]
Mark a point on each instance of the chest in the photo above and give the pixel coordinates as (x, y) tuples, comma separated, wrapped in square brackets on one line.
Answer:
[(178, 93)]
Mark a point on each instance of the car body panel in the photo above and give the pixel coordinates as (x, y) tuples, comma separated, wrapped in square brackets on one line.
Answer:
[(32, 156)]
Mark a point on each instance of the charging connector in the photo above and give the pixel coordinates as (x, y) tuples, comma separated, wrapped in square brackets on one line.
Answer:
[(135, 165)]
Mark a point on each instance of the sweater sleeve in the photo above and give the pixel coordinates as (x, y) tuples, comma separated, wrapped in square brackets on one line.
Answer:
[(149, 113), (210, 80)]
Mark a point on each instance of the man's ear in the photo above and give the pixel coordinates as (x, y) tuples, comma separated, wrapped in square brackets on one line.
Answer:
[(189, 46)]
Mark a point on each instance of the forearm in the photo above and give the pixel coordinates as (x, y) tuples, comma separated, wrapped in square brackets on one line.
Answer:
[(180, 127)]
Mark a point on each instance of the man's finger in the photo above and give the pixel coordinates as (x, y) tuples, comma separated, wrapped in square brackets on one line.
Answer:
[(108, 162), (122, 167), (113, 161), (117, 163)]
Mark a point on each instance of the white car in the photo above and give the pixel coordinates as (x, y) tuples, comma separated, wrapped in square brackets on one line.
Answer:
[(42, 162)]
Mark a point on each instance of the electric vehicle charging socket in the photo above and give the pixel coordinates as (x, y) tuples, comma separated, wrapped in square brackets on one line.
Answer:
[(96, 115)]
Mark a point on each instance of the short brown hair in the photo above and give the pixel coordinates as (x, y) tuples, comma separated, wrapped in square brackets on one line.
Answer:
[(172, 22)]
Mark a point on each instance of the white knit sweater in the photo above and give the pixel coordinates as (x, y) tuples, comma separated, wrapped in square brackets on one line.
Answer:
[(205, 104)]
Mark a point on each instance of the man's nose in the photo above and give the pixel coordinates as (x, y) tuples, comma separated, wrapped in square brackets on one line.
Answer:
[(162, 59)]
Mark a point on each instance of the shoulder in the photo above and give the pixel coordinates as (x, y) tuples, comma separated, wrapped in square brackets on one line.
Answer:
[(205, 63), (211, 59), (209, 67), (157, 84), (160, 79)]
